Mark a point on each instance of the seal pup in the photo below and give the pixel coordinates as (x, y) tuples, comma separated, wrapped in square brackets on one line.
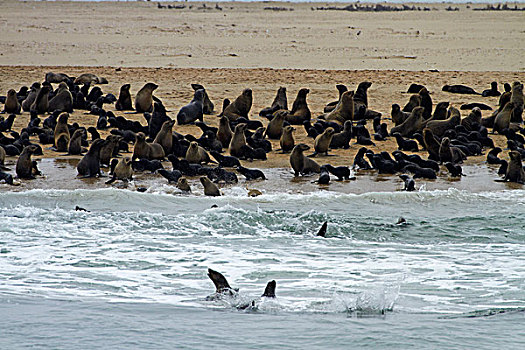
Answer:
[(240, 107), (398, 116), (41, 103), (165, 136), (238, 141), (324, 176), (302, 164), (109, 149), (144, 98), (24, 164), (409, 183), (492, 156), (447, 153), (405, 144), (322, 142), (454, 170), (413, 102), (359, 160), (61, 134), (62, 101), (183, 185), (275, 126), (196, 154), (300, 111), (342, 139), (2, 158), (287, 141), (122, 171), (225, 161), (344, 110), (192, 111), (12, 105), (89, 165), (251, 174), (341, 172), (124, 99), (207, 105), (143, 149), (210, 189)]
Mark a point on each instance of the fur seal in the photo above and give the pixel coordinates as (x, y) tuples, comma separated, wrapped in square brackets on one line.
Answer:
[(41, 103), (413, 102), (454, 170), (287, 141), (412, 124), (439, 127), (56, 78), (207, 105), (24, 164), (515, 172), (502, 120), (89, 165), (322, 142), (342, 138), (344, 110), (448, 153), (196, 154), (431, 144), (460, 89), (165, 136), (224, 134), (183, 185), (409, 183), (341, 172), (398, 116), (89, 78), (300, 111), (516, 97), (75, 143), (122, 171), (28, 102), (210, 189), (302, 164), (279, 102), (192, 111), (331, 105), (240, 107), (472, 119), (11, 103), (62, 101), (361, 110), (426, 103), (251, 174), (144, 98), (275, 126), (143, 149), (238, 141), (107, 151), (62, 135), (414, 88), (124, 99), (493, 91), (2, 158)]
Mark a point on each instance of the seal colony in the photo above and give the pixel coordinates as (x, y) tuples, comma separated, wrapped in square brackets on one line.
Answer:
[(432, 137)]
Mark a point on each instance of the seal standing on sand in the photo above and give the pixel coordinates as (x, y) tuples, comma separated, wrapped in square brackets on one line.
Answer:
[(192, 111), (517, 98), (122, 171), (322, 142), (240, 107), (165, 136), (124, 99), (412, 124), (11, 103), (62, 136), (344, 110), (287, 141), (210, 189), (238, 141), (224, 134), (300, 111), (41, 103), (75, 143), (144, 98), (62, 101), (89, 165), (28, 102), (275, 126), (302, 164), (502, 120), (24, 165), (143, 149), (207, 105)]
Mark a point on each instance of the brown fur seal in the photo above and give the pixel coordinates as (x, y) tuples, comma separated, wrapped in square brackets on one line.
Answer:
[(344, 110), (165, 136), (238, 141), (89, 165), (122, 171), (275, 126), (448, 153), (183, 185), (224, 134), (2, 157), (207, 105), (439, 127), (413, 102), (24, 165), (474, 117), (300, 111), (280, 101), (515, 171), (124, 99), (398, 116), (75, 143), (11, 103), (502, 120), (62, 135), (107, 151), (41, 103), (196, 154), (56, 78), (240, 107), (516, 97), (322, 142), (144, 98), (431, 144), (31, 97), (89, 78), (426, 103), (412, 124), (287, 141), (330, 106), (210, 189), (62, 101), (300, 163), (143, 149)]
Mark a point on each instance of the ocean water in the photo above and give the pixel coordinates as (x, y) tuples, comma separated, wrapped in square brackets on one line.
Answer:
[(131, 272)]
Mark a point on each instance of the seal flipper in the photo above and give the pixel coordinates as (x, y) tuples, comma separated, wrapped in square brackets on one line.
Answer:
[(322, 230), (220, 282), (269, 291)]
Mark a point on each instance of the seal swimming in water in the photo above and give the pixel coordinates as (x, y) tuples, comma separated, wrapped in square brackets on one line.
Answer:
[(210, 189), (24, 164), (144, 98), (192, 111), (302, 164), (124, 99), (89, 165), (300, 111), (240, 107)]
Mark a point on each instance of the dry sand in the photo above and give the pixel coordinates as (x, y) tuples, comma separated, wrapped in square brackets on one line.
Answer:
[(75, 38)]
